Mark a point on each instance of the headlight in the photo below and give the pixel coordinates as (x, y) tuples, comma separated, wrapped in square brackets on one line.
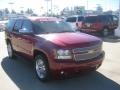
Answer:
[(63, 54)]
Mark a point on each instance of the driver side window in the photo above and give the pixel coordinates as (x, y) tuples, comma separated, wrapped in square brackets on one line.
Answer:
[(17, 26), (27, 26)]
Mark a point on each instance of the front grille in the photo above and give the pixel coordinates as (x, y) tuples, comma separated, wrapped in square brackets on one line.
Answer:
[(81, 57), (85, 49), (86, 53)]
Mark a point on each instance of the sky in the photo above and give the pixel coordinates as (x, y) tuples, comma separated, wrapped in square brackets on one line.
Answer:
[(41, 5)]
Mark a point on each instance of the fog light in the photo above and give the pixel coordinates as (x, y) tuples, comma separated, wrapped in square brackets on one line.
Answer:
[(62, 72)]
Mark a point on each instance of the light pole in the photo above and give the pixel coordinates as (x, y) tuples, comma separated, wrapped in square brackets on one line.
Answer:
[(11, 3), (47, 5), (117, 31), (22, 12), (87, 4), (87, 7), (51, 6)]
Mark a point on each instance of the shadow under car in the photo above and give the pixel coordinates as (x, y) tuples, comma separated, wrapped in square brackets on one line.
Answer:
[(23, 75)]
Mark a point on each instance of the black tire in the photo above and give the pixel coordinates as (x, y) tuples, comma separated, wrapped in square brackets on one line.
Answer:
[(46, 73), (105, 32), (10, 50), (112, 32)]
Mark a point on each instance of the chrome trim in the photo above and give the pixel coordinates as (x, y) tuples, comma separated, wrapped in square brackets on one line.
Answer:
[(82, 57), (86, 53), (86, 49)]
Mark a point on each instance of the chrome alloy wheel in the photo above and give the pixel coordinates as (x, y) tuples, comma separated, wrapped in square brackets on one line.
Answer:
[(41, 68)]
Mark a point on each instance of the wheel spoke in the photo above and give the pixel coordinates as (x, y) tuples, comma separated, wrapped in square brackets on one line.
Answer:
[(40, 68)]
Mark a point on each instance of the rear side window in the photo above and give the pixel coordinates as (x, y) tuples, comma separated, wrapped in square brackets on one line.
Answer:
[(10, 25), (80, 18), (71, 19), (17, 25), (104, 19), (92, 19)]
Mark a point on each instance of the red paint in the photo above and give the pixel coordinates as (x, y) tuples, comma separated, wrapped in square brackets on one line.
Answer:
[(104, 21), (47, 43)]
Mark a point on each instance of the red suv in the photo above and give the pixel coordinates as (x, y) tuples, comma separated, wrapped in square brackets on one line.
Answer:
[(101, 24), (54, 47)]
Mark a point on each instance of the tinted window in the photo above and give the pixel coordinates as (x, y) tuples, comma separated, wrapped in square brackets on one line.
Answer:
[(115, 18), (80, 18), (51, 27), (91, 19), (104, 18), (27, 25), (10, 25), (18, 25), (71, 19)]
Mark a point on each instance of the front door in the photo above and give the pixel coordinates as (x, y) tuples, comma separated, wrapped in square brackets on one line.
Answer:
[(27, 40), (16, 36)]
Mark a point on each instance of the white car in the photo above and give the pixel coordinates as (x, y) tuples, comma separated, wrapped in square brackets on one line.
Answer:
[(2, 25), (75, 21)]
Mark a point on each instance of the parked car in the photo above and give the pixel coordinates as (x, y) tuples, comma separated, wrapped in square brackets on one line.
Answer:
[(100, 24), (75, 21), (2, 25), (54, 46)]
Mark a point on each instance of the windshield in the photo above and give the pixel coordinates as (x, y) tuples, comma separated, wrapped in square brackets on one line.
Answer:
[(42, 27), (71, 19)]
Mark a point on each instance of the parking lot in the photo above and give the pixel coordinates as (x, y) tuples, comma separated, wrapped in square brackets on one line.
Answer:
[(19, 74)]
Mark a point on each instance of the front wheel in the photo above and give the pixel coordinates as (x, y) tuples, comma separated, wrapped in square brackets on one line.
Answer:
[(42, 68)]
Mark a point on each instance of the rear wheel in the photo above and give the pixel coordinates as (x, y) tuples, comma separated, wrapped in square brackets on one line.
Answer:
[(42, 68), (112, 32), (10, 50)]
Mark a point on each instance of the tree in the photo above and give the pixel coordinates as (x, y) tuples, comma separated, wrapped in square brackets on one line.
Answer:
[(65, 11), (13, 12), (29, 11), (21, 11), (79, 10), (99, 9), (1, 13), (6, 11)]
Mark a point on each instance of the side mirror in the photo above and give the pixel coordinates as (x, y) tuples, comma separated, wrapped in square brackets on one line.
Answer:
[(25, 31)]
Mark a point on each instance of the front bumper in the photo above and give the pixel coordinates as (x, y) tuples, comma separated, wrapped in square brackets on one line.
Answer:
[(70, 68)]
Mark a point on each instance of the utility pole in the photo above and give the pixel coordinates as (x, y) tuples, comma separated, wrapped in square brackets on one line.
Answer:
[(47, 5), (51, 7), (117, 31), (87, 4), (87, 7), (11, 4)]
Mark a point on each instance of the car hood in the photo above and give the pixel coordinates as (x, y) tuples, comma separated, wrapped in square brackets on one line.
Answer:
[(70, 40)]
